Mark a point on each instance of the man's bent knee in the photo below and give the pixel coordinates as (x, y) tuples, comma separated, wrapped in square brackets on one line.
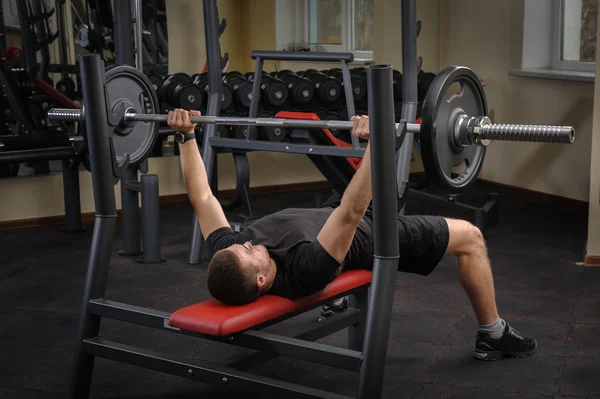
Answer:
[(465, 238)]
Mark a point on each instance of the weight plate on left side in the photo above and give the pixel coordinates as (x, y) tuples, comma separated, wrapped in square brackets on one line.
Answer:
[(454, 92), (127, 86)]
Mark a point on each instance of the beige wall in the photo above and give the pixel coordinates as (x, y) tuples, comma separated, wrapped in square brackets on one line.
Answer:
[(593, 242), (491, 46)]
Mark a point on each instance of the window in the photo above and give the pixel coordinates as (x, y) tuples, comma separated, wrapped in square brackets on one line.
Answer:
[(326, 25), (574, 46), (559, 40)]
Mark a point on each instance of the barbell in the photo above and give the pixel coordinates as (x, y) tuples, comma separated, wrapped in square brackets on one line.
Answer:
[(454, 129)]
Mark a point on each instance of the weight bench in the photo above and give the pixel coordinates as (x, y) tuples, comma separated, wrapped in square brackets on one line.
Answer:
[(214, 318)]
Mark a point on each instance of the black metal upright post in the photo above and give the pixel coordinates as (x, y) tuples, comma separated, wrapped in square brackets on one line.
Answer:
[(130, 210), (72, 198), (385, 225), (103, 181), (123, 32), (410, 98), (71, 189), (213, 61), (63, 50)]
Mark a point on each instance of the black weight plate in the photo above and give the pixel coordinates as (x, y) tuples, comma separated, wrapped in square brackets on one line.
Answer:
[(241, 132), (329, 90), (189, 96), (66, 86), (276, 133), (439, 151), (321, 113), (302, 91), (343, 112), (127, 85), (275, 92), (226, 97), (182, 76), (244, 95), (359, 88), (156, 80), (283, 73), (311, 72), (333, 116)]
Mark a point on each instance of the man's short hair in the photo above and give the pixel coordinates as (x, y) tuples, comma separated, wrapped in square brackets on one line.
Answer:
[(229, 282)]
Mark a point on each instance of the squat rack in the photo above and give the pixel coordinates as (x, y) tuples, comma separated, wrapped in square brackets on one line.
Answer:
[(369, 333)]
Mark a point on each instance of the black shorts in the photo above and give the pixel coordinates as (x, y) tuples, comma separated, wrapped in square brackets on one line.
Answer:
[(423, 240), (423, 243)]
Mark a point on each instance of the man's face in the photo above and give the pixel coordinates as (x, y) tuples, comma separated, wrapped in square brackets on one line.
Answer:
[(253, 256)]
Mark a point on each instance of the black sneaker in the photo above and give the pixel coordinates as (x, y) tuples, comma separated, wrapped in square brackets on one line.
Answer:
[(333, 308), (510, 344)]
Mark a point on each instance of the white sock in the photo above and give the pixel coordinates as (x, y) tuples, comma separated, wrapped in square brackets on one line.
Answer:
[(495, 330)]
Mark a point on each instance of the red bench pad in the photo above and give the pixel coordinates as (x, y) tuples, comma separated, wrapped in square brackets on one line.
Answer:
[(212, 317)]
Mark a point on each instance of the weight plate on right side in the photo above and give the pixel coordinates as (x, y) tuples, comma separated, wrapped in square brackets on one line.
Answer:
[(441, 153)]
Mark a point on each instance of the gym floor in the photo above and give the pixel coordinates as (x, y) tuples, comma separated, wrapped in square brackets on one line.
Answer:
[(541, 290)]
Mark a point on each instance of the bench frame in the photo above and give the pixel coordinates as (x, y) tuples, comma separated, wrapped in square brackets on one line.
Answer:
[(369, 315)]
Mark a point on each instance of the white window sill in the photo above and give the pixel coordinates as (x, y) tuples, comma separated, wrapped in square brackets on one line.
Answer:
[(576, 76)]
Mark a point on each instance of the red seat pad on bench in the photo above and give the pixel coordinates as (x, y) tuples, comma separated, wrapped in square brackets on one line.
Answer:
[(212, 317)]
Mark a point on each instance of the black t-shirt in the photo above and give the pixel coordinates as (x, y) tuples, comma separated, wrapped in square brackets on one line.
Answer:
[(290, 236)]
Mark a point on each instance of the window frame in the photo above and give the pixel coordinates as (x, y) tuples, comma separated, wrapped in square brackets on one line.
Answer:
[(557, 43), (348, 32)]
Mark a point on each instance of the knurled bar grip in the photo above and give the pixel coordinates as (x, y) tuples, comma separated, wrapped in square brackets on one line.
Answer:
[(536, 133), (501, 132)]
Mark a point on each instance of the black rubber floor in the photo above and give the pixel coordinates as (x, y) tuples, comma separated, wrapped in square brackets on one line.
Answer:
[(541, 290)]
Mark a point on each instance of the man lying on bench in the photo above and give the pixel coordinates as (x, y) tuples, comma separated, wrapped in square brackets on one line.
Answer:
[(297, 252)]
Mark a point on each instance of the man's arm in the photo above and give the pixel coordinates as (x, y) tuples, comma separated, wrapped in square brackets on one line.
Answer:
[(208, 209), (337, 233)]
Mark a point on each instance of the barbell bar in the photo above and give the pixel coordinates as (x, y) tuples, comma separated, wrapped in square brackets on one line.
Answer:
[(467, 131)]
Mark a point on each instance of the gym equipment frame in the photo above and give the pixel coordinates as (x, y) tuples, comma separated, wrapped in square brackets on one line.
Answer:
[(367, 356), (114, 143)]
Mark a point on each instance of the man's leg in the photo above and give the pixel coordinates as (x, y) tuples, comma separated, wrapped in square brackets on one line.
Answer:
[(496, 338), (424, 240), (474, 269)]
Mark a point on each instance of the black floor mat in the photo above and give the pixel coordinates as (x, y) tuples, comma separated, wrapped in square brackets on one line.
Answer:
[(542, 289)]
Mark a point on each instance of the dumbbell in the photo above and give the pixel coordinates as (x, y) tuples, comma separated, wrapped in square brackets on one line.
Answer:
[(245, 132), (272, 133), (301, 90), (424, 80), (201, 81), (359, 70), (250, 75), (232, 128), (328, 89), (359, 84), (273, 91), (343, 112), (179, 91), (321, 112), (240, 87), (66, 86), (222, 131), (282, 73), (156, 79), (333, 116)]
